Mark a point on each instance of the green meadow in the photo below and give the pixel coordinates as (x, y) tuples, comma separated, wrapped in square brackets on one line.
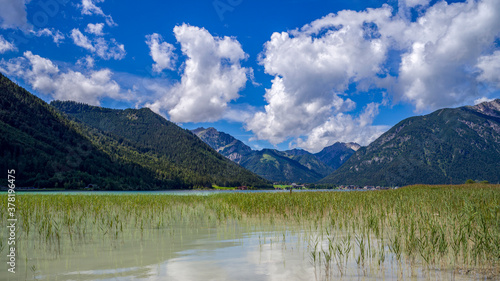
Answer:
[(415, 230)]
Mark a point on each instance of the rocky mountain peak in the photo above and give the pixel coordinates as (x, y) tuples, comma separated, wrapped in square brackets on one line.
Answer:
[(491, 108), (352, 145)]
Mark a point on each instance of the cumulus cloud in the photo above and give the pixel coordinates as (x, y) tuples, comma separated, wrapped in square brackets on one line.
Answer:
[(6, 46), (312, 66), (88, 7), (443, 56), (56, 35), (161, 52), (46, 77), (212, 77), (98, 45), (13, 14), (490, 69), (445, 44), (344, 128), (95, 28)]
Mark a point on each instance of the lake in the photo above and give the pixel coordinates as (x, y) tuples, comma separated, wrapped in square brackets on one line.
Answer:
[(225, 253), (253, 236), (177, 192)]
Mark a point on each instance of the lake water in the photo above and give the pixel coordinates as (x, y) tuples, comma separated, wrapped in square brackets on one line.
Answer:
[(177, 192), (193, 244), (226, 252)]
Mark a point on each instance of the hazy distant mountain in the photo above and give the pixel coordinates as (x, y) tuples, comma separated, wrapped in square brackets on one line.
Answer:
[(309, 160), (223, 143), (335, 155), (296, 165), (276, 166), (143, 137), (446, 146)]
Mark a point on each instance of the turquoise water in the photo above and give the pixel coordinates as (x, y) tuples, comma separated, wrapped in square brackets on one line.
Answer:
[(229, 251), (173, 192)]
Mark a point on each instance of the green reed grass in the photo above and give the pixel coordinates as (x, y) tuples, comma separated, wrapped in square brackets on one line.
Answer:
[(436, 227)]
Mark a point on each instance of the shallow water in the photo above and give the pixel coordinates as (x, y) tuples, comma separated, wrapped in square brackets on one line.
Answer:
[(230, 251), (177, 192), (308, 236)]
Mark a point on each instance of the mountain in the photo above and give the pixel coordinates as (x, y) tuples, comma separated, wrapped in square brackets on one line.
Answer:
[(310, 161), (47, 150), (127, 149), (446, 146), (149, 140), (276, 166), (296, 165), (223, 143), (335, 155)]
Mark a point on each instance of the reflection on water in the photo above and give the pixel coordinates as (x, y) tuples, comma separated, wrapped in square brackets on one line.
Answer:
[(226, 252), (410, 234)]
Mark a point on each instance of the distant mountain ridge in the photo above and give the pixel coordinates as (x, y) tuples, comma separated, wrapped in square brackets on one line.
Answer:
[(223, 143), (446, 146), (296, 165), (335, 155), (276, 166), (72, 145)]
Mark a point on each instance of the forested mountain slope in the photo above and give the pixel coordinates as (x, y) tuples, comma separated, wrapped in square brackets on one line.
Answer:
[(48, 150), (446, 146), (146, 138)]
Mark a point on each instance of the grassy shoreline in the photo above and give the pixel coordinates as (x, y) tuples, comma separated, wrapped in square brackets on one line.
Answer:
[(439, 227)]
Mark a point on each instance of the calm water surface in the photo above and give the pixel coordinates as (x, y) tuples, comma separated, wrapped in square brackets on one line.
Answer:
[(230, 250), (226, 252), (177, 192)]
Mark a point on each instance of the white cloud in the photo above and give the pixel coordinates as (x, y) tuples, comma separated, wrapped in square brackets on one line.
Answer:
[(13, 14), (109, 50), (445, 45), (312, 66), (413, 3), (444, 54), (95, 28), (239, 113), (86, 62), (490, 69), (161, 52), (46, 77), (102, 48), (344, 128), (481, 100), (212, 77), (88, 7), (56, 35), (81, 40), (6, 46)]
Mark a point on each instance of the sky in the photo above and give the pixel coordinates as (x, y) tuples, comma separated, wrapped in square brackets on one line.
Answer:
[(274, 74)]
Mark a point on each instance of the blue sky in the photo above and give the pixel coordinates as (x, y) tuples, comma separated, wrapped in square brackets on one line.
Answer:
[(280, 74)]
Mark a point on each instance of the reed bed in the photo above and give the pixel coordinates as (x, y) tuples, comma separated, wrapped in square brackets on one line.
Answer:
[(453, 228)]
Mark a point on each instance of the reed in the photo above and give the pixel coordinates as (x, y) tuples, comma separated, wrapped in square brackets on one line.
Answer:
[(435, 227)]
